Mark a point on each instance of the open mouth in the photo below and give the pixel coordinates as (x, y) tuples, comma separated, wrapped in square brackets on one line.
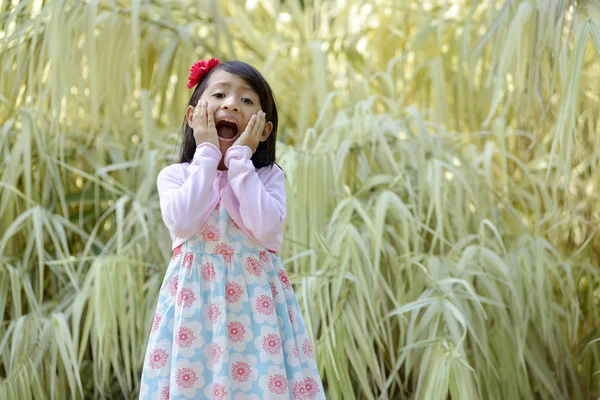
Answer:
[(227, 130)]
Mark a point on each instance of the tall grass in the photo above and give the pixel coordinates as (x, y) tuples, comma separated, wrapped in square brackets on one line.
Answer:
[(442, 164)]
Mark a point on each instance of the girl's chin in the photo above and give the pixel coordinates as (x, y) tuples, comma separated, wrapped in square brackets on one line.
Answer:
[(224, 145), (222, 166)]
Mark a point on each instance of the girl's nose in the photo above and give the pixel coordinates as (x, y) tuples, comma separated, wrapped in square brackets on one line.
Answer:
[(230, 104)]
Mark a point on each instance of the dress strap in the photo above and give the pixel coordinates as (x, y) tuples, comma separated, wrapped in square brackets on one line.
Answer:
[(177, 251)]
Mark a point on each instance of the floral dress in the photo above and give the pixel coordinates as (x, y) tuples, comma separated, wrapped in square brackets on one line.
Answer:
[(227, 324)]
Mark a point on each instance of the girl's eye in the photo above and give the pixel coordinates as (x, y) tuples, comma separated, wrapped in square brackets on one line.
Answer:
[(219, 95), (247, 101)]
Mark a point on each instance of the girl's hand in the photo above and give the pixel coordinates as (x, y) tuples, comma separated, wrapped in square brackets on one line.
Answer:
[(203, 124), (254, 133)]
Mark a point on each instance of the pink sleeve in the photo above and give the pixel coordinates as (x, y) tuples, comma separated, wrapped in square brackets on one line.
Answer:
[(186, 203), (261, 194)]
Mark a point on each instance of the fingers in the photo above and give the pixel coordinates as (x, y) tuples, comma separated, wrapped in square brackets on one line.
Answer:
[(256, 125), (259, 125), (250, 126), (210, 121), (194, 121), (203, 117)]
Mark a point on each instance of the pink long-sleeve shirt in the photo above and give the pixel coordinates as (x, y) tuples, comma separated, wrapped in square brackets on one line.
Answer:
[(255, 199)]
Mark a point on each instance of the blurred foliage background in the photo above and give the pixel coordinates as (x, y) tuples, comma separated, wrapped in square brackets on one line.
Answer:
[(442, 162)]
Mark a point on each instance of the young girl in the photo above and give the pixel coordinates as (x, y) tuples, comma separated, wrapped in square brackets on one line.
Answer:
[(227, 323)]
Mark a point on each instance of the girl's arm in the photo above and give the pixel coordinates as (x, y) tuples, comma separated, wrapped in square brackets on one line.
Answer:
[(261, 194), (186, 203)]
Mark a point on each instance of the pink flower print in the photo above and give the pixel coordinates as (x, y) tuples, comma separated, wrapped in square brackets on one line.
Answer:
[(216, 353), (219, 391), (233, 291), (235, 225), (225, 250), (156, 322), (165, 393), (307, 348), (305, 389), (186, 298), (185, 337), (173, 283), (186, 377), (291, 316), (299, 391), (210, 233), (311, 386), (219, 204), (188, 260), (264, 256), (236, 331), (208, 272), (295, 352), (240, 371), (277, 384), (213, 312), (253, 266), (158, 358), (274, 290), (283, 278), (265, 305), (271, 343)]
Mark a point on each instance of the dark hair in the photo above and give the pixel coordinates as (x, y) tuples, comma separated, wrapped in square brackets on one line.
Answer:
[(265, 152)]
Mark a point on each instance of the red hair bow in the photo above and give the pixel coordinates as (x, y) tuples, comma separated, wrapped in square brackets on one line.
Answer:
[(199, 69)]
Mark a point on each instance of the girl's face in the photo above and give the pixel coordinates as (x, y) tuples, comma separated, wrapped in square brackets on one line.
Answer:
[(233, 102)]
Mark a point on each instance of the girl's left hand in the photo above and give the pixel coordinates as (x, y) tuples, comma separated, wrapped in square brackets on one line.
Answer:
[(254, 132)]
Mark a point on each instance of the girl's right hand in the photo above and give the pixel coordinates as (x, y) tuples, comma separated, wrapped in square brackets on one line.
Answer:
[(203, 124)]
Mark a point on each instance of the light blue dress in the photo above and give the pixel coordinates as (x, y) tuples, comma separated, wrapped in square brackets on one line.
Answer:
[(227, 324)]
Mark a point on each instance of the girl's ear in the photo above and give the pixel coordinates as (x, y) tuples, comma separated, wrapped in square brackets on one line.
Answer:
[(267, 132), (189, 113)]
